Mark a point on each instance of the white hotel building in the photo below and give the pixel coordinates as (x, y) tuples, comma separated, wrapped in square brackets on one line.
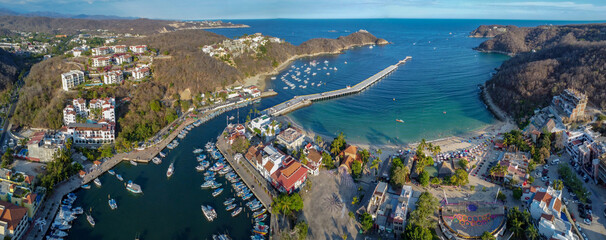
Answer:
[(71, 79)]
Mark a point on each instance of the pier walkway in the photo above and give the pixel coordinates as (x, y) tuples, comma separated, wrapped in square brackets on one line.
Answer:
[(306, 100)]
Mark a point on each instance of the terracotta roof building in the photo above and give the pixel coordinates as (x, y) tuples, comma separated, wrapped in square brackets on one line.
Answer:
[(290, 176), (13, 220)]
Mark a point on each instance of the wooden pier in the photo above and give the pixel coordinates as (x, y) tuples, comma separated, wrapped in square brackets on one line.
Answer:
[(306, 100)]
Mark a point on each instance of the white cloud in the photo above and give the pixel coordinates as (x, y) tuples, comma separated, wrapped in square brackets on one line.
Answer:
[(559, 5)]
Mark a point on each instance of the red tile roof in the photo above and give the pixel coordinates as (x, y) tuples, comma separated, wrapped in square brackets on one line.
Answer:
[(288, 175), (12, 214)]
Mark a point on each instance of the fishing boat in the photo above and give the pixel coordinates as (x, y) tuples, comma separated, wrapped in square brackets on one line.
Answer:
[(133, 187), (132, 162), (112, 204), (171, 170), (257, 237), (78, 210), (217, 192), (119, 177), (400, 120), (261, 229), (201, 157), (247, 196), (161, 154), (230, 207), (236, 212), (209, 212), (59, 233), (85, 186), (207, 184), (261, 218), (200, 168), (259, 213), (111, 172), (221, 237), (156, 160), (229, 201), (216, 185), (97, 182), (90, 220), (198, 150)]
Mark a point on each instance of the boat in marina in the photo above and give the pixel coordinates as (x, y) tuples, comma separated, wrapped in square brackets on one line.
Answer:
[(90, 220), (132, 162), (200, 168), (197, 123), (216, 185), (229, 201), (257, 237), (156, 160), (260, 212), (230, 207), (59, 234), (119, 177), (97, 182), (236, 212), (209, 212), (111, 172), (221, 237), (209, 178), (247, 196), (85, 186), (161, 154), (201, 157), (78, 210), (207, 184), (112, 203), (217, 192), (261, 218), (171, 170), (261, 228), (133, 187)]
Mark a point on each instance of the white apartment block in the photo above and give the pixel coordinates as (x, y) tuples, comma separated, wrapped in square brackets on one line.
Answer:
[(90, 133), (119, 49), (101, 61), (123, 58), (101, 51), (113, 77), (140, 72), (138, 48), (71, 79)]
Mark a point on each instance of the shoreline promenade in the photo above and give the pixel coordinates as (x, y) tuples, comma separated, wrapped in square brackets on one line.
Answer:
[(306, 100)]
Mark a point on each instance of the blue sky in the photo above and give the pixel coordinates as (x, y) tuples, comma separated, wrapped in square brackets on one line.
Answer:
[(252, 9)]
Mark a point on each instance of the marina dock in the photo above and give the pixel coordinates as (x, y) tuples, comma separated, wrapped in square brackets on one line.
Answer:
[(306, 100)]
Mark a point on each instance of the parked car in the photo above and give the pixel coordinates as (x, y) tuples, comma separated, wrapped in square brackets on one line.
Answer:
[(587, 221)]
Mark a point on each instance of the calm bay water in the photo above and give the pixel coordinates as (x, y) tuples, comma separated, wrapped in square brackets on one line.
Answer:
[(435, 94)]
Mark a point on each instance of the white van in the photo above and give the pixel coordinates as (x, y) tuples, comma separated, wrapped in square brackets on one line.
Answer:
[(555, 161)]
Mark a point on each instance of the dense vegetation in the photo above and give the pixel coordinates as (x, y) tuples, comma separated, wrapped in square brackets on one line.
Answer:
[(548, 60), (422, 220), (573, 183), (61, 168), (9, 69), (520, 224)]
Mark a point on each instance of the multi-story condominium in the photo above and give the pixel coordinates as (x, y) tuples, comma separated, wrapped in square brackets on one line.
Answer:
[(42, 146), (71, 79), (103, 131), (13, 220), (90, 133), (101, 51), (138, 48), (571, 104), (101, 61), (123, 58), (119, 49), (113, 77), (140, 73)]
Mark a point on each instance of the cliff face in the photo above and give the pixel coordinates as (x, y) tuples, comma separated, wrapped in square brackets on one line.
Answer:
[(547, 61), (514, 40)]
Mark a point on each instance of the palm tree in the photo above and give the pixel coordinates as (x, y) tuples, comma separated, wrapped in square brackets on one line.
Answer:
[(532, 233), (379, 151), (23, 141), (375, 164), (516, 228), (436, 150)]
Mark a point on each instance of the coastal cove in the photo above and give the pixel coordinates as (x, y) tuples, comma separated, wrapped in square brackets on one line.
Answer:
[(435, 94)]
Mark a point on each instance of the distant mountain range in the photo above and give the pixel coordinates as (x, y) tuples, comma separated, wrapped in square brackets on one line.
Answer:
[(8, 12)]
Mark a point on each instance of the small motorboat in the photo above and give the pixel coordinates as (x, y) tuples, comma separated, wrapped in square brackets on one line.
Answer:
[(171, 170), (90, 220), (132, 162), (230, 207), (97, 182), (85, 186), (111, 172), (156, 160), (236, 212), (217, 192), (229, 201), (119, 177), (112, 204), (400, 120), (198, 150)]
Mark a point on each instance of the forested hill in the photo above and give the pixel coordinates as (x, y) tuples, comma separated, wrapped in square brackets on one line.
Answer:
[(190, 68), (9, 69), (513, 40), (548, 59), (71, 25)]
